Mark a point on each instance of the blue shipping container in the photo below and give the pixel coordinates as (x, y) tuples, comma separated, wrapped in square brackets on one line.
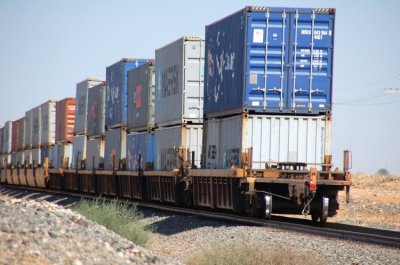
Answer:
[(264, 60), (116, 92), (141, 143)]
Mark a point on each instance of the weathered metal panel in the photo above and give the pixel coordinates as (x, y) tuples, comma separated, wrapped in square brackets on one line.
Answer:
[(28, 129), (270, 60), (94, 153), (78, 151), (48, 123), (14, 138), (44, 153), (65, 120), (81, 110), (273, 139), (96, 110), (6, 159), (141, 96), (140, 143), (28, 156), (62, 155), (21, 134), (36, 127), (115, 148), (167, 140), (6, 136), (179, 82), (19, 158), (116, 92), (36, 158)]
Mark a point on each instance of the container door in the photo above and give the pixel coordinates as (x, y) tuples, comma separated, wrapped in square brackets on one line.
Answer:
[(311, 61), (267, 54)]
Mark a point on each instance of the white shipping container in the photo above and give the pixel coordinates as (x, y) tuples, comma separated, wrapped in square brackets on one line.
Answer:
[(19, 158), (94, 153), (168, 140), (115, 146), (78, 151), (273, 139), (48, 123), (36, 156), (62, 155), (28, 156)]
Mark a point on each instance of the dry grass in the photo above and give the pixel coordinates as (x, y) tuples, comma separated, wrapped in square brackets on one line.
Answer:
[(244, 254)]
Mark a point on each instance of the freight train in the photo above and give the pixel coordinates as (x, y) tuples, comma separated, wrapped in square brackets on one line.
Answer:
[(239, 122)]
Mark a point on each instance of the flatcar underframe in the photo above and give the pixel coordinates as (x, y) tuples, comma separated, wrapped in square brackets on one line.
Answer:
[(257, 193)]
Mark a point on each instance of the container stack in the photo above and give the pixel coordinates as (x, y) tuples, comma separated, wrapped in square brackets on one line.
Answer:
[(268, 87), (48, 130), (6, 139), (95, 126), (179, 102), (65, 121), (116, 112), (81, 122), (14, 143), (20, 158), (140, 123)]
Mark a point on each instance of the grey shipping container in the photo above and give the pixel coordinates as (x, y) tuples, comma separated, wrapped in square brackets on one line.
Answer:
[(167, 140), (21, 134), (36, 127), (179, 82), (78, 151), (96, 110), (36, 158), (140, 144), (62, 155), (28, 156), (141, 96), (273, 139), (115, 148), (19, 158), (48, 123), (28, 130), (81, 110), (6, 136), (95, 153), (45, 153)]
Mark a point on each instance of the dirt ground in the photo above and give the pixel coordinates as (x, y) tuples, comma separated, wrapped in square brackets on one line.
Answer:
[(375, 202)]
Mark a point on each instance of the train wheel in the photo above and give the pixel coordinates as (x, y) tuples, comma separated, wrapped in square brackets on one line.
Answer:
[(321, 215)]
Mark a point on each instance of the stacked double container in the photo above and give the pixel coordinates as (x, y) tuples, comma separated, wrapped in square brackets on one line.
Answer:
[(81, 121), (140, 124), (61, 155), (179, 102), (268, 84), (6, 139), (47, 132), (116, 111), (96, 126), (20, 141)]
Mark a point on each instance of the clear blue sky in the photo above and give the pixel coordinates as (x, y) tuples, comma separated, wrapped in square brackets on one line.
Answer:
[(46, 47)]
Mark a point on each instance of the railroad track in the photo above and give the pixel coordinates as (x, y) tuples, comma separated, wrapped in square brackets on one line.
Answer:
[(333, 230)]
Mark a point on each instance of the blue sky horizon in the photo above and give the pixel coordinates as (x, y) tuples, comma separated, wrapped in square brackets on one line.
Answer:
[(47, 47)]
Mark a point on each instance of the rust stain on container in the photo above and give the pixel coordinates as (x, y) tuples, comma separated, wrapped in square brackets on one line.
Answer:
[(65, 120)]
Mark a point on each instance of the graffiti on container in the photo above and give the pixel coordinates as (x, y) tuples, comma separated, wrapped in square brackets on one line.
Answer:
[(137, 96), (170, 81), (231, 157), (168, 158), (212, 152)]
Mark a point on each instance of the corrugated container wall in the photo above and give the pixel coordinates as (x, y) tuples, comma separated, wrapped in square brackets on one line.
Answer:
[(28, 130), (14, 138), (179, 82), (116, 92), (140, 144), (44, 153), (96, 110), (28, 156), (273, 139), (81, 111), (65, 120), (7, 135), (141, 96), (115, 148), (167, 140), (36, 127), (270, 60), (78, 151), (19, 158), (95, 153), (21, 134), (62, 155), (36, 158), (48, 119)]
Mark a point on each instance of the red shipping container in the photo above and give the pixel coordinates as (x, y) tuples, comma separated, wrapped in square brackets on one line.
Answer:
[(65, 120), (14, 136)]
